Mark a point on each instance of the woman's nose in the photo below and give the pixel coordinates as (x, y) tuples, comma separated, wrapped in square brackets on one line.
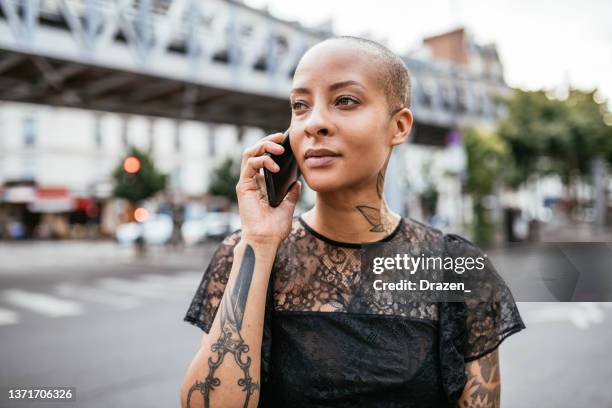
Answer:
[(317, 123)]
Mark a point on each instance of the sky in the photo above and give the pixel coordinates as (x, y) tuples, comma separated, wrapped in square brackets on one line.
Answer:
[(543, 44)]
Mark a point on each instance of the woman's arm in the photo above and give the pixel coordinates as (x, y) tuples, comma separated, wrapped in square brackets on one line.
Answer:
[(226, 370), (483, 386)]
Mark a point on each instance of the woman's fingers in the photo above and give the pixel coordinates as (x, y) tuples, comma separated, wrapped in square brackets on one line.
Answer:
[(254, 158), (293, 195), (262, 147), (261, 186), (253, 164), (267, 144)]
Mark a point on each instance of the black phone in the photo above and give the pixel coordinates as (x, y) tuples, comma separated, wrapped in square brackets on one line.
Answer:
[(278, 184)]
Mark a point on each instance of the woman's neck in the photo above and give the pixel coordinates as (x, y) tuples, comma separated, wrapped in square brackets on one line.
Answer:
[(352, 216)]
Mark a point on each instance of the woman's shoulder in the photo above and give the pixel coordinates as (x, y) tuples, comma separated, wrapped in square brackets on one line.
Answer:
[(420, 235), (416, 225), (450, 238)]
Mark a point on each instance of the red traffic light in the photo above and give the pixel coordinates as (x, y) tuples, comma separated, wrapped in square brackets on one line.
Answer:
[(141, 214), (131, 164)]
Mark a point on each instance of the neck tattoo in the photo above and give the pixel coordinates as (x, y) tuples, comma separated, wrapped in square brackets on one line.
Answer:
[(378, 218)]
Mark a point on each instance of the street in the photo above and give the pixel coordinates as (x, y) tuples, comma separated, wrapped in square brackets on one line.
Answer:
[(112, 327)]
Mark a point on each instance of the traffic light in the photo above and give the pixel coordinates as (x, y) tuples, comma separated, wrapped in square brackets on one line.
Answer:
[(131, 164), (141, 214)]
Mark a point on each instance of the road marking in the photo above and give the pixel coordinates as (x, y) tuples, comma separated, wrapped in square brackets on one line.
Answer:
[(96, 295), (196, 275), (184, 283), (140, 288), (7, 316), (40, 303), (582, 315)]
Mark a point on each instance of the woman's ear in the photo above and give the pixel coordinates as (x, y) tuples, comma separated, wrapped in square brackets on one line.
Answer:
[(402, 126)]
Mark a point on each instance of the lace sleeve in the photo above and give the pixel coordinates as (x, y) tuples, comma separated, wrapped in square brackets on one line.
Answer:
[(491, 315), (477, 326), (206, 300)]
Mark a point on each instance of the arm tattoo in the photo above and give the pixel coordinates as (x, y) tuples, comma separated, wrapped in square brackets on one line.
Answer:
[(482, 389), (231, 314)]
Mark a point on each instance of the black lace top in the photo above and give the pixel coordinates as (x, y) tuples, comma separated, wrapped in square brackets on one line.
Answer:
[(331, 340)]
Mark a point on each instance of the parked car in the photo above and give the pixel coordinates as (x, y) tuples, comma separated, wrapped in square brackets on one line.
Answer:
[(157, 230), (211, 225)]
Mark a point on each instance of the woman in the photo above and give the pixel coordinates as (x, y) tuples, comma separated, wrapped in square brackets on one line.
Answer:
[(292, 316)]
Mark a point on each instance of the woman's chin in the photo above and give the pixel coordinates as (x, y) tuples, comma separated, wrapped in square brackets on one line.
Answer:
[(322, 183)]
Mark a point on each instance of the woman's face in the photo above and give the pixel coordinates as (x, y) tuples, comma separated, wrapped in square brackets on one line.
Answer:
[(338, 105)]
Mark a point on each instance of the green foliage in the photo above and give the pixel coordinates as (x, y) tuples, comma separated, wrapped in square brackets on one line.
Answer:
[(429, 200), (487, 158), (549, 135), (224, 179), (141, 185), (429, 195), (483, 228)]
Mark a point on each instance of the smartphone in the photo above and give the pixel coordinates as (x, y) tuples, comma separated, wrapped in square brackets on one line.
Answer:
[(278, 184)]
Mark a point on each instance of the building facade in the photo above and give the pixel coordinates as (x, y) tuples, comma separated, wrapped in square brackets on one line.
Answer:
[(58, 160)]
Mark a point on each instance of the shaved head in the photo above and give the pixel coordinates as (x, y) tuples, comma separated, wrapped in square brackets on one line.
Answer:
[(393, 78)]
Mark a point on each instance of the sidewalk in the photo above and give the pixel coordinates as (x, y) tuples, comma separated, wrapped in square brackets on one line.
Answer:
[(566, 231), (30, 256)]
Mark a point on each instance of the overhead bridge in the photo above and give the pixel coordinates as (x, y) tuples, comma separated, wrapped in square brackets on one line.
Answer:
[(215, 60), (210, 60)]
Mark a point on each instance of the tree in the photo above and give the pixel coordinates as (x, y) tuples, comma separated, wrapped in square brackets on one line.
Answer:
[(487, 159), (224, 179), (561, 136), (136, 178)]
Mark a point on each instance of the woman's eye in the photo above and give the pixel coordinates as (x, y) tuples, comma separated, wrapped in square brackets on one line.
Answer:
[(297, 105), (345, 100)]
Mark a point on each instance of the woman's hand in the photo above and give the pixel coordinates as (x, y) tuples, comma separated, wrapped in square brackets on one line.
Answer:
[(261, 222)]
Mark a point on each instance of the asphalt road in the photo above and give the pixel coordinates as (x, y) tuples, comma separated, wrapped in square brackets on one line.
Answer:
[(93, 318)]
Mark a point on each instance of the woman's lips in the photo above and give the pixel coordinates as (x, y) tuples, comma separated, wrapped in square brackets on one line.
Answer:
[(321, 161)]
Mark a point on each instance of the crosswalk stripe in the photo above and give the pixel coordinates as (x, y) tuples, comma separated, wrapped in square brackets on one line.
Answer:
[(582, 315), (117, 292), (195, 275), (140, 288), (96, 295), (181, 282), (7, 316), (41, 303)]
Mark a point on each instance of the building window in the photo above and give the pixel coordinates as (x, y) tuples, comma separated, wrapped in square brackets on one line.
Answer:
[(29, 168), (448, 97), (423, 95), (98, 137), (177, 137), (212, 150), (461, 99), (125, 137), (29, 131)]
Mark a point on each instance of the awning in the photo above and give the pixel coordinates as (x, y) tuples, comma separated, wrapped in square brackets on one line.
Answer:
[(52, 200), (19, 194)]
